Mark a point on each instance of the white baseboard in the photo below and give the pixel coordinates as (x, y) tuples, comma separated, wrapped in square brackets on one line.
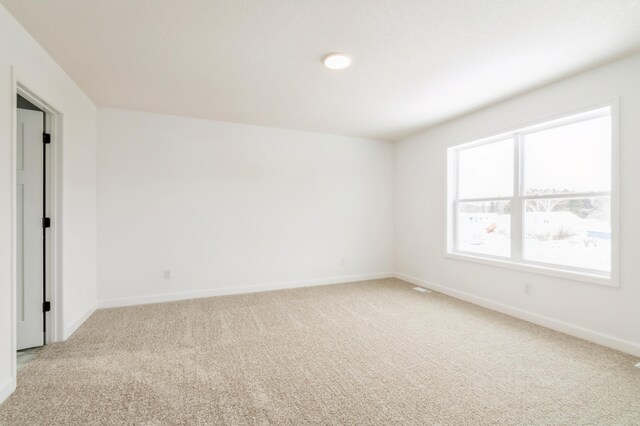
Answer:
[(557, 325), (7, 389), (169, 297), (73, 327)]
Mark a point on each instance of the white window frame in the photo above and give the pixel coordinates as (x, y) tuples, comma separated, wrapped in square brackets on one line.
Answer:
[(518, 200)]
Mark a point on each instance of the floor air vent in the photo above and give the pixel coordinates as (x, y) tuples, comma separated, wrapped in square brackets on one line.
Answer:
[(422, 290)]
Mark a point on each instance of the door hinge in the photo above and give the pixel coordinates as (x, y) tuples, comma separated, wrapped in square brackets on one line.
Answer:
[(46, 222), (46, 306), (46, 138)]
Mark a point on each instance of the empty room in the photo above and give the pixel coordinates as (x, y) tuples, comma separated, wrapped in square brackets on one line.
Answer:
[(286, 212)]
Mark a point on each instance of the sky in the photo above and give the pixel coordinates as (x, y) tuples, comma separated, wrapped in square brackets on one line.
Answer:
[(574, 158)]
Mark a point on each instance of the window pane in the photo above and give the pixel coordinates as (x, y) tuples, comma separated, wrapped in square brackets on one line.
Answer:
[(571, 232), (486, 171), (485, 228), (571, 158)]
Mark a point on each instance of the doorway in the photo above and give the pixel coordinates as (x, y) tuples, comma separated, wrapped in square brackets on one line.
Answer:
[(37, 213)]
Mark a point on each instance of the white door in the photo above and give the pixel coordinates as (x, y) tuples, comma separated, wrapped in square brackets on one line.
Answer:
[(29, 229)]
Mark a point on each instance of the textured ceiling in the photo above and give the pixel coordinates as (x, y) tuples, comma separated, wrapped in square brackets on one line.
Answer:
[(415, 62)]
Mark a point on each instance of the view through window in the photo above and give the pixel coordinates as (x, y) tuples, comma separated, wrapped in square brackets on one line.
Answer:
[(538, 196)]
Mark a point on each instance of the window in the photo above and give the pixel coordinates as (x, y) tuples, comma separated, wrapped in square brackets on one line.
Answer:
[(538, 197)]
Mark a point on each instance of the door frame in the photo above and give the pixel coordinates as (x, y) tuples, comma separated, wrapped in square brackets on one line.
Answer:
[(53, 191)]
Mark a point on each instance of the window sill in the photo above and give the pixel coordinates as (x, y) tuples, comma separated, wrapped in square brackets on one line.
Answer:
[(585, 277)]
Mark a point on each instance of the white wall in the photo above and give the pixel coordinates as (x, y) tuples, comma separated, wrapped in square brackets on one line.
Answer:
[(230, 208), (34, 68), (610, 316)]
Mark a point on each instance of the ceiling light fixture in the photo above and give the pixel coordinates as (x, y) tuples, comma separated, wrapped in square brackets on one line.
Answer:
[(337, 61)]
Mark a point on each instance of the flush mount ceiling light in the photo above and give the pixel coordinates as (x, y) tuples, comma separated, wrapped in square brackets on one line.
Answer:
[(337, 61)]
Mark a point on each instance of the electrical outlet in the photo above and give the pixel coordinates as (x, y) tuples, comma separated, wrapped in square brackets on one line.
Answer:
[(167, 274), (526, 287), (342, 261)]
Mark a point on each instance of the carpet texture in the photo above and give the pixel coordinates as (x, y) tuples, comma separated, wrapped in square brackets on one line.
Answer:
[(374, 352)]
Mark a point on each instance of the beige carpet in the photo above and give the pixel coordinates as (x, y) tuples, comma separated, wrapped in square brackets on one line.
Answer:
[(374, 352)]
